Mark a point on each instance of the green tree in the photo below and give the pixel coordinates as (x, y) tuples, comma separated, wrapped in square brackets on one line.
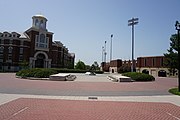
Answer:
[(171, 56), (95, 66), (80, 65), (88, 67)]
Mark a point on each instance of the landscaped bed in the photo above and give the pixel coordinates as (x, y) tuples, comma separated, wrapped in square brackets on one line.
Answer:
[(46, 72), (139, 76)]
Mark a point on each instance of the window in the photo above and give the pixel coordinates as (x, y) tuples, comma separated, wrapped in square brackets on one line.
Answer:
[(20, 57), (21, 51), (42, 24), (42, 41), (1, 56), (36, 22), (41, 45), (42, 38), (2, 41), (1, 49), (10, 57), (10, 41), (10, 49)]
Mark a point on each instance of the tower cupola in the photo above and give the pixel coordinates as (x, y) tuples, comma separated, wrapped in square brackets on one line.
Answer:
[(39, 22)]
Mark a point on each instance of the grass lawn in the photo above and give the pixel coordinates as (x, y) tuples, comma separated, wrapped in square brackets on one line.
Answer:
[(174, 91)]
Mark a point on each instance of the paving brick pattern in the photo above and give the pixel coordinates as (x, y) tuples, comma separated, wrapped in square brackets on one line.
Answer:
[(46, 109)]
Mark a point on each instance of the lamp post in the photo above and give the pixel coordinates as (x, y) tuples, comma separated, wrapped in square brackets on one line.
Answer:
[(111, 48), (132, 22), (177, 25), (105, 53), (102, 54)]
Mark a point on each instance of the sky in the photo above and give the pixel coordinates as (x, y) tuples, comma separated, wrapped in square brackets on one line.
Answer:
[(83, 26)]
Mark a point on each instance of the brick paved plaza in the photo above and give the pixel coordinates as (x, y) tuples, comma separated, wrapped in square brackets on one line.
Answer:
[(23, 99), (45, 109)]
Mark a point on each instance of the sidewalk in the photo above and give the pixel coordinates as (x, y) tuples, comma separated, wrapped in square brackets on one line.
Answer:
[(5, 98)]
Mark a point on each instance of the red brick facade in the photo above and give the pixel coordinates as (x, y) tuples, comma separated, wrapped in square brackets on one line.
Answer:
[(157, 61), (35, 47)]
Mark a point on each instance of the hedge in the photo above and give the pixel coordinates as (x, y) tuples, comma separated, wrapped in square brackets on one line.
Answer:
[(46, 72), (139, 76), (36, 72)]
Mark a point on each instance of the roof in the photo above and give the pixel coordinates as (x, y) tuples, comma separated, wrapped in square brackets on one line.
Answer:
[(151, 57), (23, 35), (39, 16)]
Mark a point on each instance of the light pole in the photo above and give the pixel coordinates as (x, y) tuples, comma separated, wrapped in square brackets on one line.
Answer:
[(177, 25), (132, 22), (105, 53), (102, 54), (111, 48)]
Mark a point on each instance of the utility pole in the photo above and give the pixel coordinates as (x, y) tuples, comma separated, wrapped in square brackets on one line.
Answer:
[(132, 22)]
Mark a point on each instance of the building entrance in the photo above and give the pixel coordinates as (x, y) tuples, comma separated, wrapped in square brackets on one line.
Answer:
[(39, 63)]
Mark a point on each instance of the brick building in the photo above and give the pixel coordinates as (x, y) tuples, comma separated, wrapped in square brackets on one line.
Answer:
[(115, 65), (34, 46), (153, 65)]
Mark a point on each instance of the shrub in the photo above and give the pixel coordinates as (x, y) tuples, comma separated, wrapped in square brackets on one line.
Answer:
[(174, 91), (139, 76), (46, 72), (36, 72)]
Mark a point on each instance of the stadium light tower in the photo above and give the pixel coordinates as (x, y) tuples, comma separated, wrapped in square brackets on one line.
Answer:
[(105, 53), (111, 48), (132, 22)]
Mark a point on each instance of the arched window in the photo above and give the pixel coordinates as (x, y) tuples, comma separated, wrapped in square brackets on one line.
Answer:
[(42, 38), (36, 22), (42, 24), (10, 49), (41, 41)]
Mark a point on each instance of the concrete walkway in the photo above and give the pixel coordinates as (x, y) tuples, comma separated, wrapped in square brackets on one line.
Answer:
[(4, 98)]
